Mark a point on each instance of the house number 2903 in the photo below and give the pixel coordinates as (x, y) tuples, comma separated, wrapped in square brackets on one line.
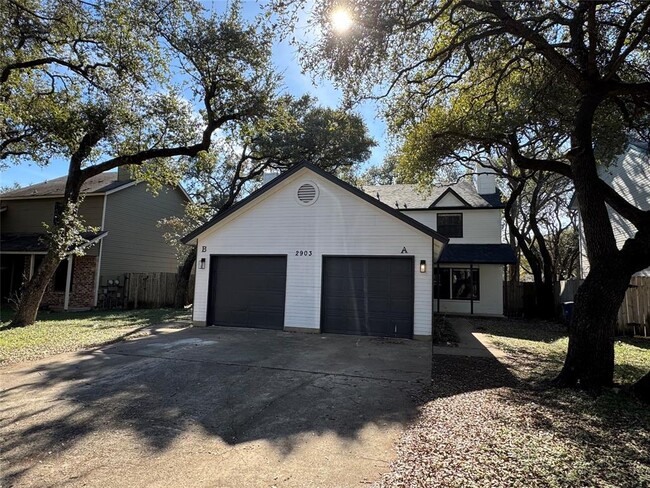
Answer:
[(303, 253)]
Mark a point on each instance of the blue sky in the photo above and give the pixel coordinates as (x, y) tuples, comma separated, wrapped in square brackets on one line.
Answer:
[(296, 83)]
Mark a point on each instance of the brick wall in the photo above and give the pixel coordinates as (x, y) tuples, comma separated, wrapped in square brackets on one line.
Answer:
[(82, 293)]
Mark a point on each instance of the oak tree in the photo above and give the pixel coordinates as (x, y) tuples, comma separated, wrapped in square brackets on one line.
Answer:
[(121, 82), (556, 87)]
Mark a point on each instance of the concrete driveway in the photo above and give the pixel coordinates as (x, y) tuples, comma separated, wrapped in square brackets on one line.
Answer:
[(211, 407)]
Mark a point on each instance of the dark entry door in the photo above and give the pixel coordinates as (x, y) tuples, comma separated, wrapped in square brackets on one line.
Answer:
[(247, 291), (368, 296)]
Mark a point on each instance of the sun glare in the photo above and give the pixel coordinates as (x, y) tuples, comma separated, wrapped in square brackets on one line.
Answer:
[(341, 20)]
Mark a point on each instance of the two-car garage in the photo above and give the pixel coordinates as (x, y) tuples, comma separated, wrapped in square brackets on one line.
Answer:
[(360, 295), (331, 260)]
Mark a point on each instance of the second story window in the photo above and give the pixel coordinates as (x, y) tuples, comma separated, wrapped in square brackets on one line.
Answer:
[(450, 224)]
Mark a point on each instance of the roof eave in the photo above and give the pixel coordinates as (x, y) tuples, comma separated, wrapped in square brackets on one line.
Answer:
[(337, 181)]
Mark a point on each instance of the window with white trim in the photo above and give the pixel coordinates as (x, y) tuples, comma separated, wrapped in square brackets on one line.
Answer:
[(457, 283), (450, 224)]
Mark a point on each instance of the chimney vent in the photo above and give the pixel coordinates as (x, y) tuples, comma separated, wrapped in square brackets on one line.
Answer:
[(485, 180)]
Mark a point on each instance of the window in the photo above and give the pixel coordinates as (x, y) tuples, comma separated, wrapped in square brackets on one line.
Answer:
[(450, 224), (457, 283), (61, 274)]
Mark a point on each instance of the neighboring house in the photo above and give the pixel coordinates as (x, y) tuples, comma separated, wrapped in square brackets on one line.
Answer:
[(128, 240), (309, 252), (629, 175)]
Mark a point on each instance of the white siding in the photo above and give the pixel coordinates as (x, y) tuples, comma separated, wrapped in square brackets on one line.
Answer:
[(629, 175), (339, 223), (479, 226), (491, 292), (449, 200)]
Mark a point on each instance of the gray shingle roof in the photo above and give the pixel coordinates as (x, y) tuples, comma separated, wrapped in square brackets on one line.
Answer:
[(478, 253), (56, 187), (412, 196)]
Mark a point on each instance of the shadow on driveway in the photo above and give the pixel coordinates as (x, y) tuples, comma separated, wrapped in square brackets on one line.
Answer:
[(162, 409)]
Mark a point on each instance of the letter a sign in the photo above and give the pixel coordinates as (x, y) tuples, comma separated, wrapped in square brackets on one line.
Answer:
[(404, 251)]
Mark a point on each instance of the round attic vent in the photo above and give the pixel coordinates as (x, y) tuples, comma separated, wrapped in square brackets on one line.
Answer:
[(307, 193)]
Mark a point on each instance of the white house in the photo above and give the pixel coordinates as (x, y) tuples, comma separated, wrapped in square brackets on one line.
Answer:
[(309, 252), (629, 175)]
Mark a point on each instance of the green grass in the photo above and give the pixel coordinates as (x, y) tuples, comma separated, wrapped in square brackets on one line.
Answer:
[(546, 344), (57, 332)]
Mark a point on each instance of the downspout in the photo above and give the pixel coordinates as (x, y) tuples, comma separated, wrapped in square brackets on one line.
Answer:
[(471, 288), (32, 265), (98, 267), (68, 282), (433, 296), (505, 290), (439, 283)]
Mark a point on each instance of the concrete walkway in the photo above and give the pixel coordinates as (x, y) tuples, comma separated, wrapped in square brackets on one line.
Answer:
[(470, 342)]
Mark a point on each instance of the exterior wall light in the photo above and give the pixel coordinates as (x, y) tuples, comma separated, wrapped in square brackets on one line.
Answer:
[(202, 263), (423, 266)]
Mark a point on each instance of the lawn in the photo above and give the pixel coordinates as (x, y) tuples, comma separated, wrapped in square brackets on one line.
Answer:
[(531, 344), (494, 423), (57, 332)]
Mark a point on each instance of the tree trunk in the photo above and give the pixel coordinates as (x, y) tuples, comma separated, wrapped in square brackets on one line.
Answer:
[(545, 298), (642, 389), (589, 363), (184, 279), (32, 293)]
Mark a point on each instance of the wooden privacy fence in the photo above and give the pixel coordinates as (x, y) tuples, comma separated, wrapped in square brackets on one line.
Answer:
[(152, 290), (519, 299), (635, 310), (634, 314)]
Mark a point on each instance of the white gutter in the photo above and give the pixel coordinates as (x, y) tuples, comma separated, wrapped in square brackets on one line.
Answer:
[(98, 267)]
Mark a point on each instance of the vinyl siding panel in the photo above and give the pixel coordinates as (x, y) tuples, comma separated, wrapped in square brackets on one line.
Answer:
[(135, 243), (629, 175), (338, 223), (449, 200), (28, 215), (479, 226)]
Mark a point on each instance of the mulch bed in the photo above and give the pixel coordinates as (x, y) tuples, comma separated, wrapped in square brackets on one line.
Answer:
[(482, 427)]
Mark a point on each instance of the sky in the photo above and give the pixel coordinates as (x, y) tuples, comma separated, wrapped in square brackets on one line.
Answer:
[(285, 59)]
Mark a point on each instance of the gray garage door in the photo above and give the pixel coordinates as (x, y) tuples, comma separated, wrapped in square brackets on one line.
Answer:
[(368, 296), (247, 291)]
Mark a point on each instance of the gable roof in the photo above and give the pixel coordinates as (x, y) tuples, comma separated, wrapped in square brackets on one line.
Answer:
[(411, 197), (451, 191), (337, 181), (100, 184)]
